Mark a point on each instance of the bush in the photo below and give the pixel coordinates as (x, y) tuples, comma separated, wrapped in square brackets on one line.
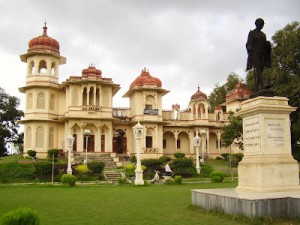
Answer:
[(31, 153), (83, 169), (96, 167), (239, 156), (21, 216), (164, 159), (179, 155), (169, 181), (206, 170), (43, 170), (184, 167), (15, 172), (53, 151), (130, 169), (133, 159), (151, 165), (225, 155), (121, 181), (68, 179), (217, 176), (178, 179)]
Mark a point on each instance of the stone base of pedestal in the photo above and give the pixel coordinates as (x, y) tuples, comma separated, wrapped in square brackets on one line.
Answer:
[(231, 201), (268, 174), (139, 178)]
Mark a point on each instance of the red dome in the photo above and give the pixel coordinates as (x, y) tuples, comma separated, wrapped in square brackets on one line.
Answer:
[(44, 42), (145, 79), (199, 94), (91, 72)]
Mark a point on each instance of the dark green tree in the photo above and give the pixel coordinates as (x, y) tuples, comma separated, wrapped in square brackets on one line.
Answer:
[(233, 132), (218, 95), (9, 115)]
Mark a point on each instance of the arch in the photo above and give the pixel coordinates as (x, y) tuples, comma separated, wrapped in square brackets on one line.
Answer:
[(150, 102), (97, 97), (40, 104), (40, 137), (213, 143), (52, 102), (53, 69), (28, 135), (119, 141), (91, 96), (149, 138), (169, 142), (51, 137), (184, 143), (42, 67), (29, 101), (84, 96), (30, 68)]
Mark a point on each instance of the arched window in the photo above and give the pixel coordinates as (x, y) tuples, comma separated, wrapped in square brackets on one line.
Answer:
[(53, 69), (29, 101), (28, 138), (40, 137), (51, 137), (149, 139), (97, 96), (40, 101), (150, 102), (30, 67), (91, 96), (84, 96), (43, 67), (52, 102)]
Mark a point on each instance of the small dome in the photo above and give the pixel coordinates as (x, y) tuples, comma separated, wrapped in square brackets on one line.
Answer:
[(91, 71), (239, 92), (145, 79), (44, 42), (199, 95)]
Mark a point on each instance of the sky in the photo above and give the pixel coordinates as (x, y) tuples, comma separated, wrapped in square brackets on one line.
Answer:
[(184, 43)]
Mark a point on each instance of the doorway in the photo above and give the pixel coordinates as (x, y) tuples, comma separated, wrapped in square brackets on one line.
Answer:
[(119, 142)]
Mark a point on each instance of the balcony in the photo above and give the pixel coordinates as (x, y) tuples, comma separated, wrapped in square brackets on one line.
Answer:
[(150, 111)]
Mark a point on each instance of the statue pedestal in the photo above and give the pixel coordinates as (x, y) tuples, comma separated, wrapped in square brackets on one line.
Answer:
[(268, 165)]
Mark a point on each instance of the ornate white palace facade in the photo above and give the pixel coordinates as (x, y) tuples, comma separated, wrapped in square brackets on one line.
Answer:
[(82, 107)]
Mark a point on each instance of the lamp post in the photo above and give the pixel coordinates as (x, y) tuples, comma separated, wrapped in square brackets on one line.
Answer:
[(70, 141), (138, 134), (197, 141), (86, 133)]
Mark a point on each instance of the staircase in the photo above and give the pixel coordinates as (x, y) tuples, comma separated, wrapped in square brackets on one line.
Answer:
[(112, 176), (96, 157)]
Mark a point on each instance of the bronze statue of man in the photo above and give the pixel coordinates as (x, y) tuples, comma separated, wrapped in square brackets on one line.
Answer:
[(259, 54)]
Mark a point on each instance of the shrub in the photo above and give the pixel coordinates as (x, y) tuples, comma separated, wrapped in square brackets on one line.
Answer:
[(178, 179), (31, 153), (121, 181), (130, 169), (239, 156), (179, 155), (169, 181), (96, 167), (164, 159), (218, 158), (21, 216), (217, 176), (82, 169), (16, 172), (184, 167), (53, 151), (206, 170), (68, 179), (43, 170), (133, 159), (225, 155)]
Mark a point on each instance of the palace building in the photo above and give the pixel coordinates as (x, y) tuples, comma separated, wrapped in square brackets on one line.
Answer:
[(82, 107)]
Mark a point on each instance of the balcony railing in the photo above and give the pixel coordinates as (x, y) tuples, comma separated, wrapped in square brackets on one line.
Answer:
[(150, 111), (91, 108)]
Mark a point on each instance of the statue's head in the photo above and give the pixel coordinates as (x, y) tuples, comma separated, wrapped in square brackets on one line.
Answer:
[(259, 23)]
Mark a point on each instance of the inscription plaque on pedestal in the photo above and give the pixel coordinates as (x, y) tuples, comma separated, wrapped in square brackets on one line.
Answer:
[(274, 133), (251, 134)]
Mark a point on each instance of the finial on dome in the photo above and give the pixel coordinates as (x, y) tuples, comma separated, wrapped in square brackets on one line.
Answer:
[(45, 29), (198, 87)]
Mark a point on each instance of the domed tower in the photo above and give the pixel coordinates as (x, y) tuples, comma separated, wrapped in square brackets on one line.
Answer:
[(43, 59), (199, 105), (44, 97)]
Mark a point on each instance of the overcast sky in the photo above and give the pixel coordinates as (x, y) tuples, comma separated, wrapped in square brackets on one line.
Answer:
[(182, 42)]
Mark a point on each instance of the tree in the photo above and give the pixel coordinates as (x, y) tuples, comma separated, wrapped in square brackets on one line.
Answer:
[(9, 115), (233, 132), (218, 95), (285, 74)]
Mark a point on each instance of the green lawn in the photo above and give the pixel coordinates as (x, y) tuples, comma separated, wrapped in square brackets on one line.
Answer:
[(107, 204)]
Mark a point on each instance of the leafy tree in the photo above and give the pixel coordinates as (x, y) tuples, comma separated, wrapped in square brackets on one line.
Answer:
[(218, 95), (233, 132), (9, 115)]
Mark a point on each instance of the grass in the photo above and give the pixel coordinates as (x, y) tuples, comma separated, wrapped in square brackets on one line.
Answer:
[(126, 205)]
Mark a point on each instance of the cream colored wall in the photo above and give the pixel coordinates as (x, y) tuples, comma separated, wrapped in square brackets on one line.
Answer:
[(233, 106)]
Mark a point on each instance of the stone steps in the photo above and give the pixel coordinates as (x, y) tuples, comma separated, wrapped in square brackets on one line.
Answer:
[(112, 176), (96, 157)]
